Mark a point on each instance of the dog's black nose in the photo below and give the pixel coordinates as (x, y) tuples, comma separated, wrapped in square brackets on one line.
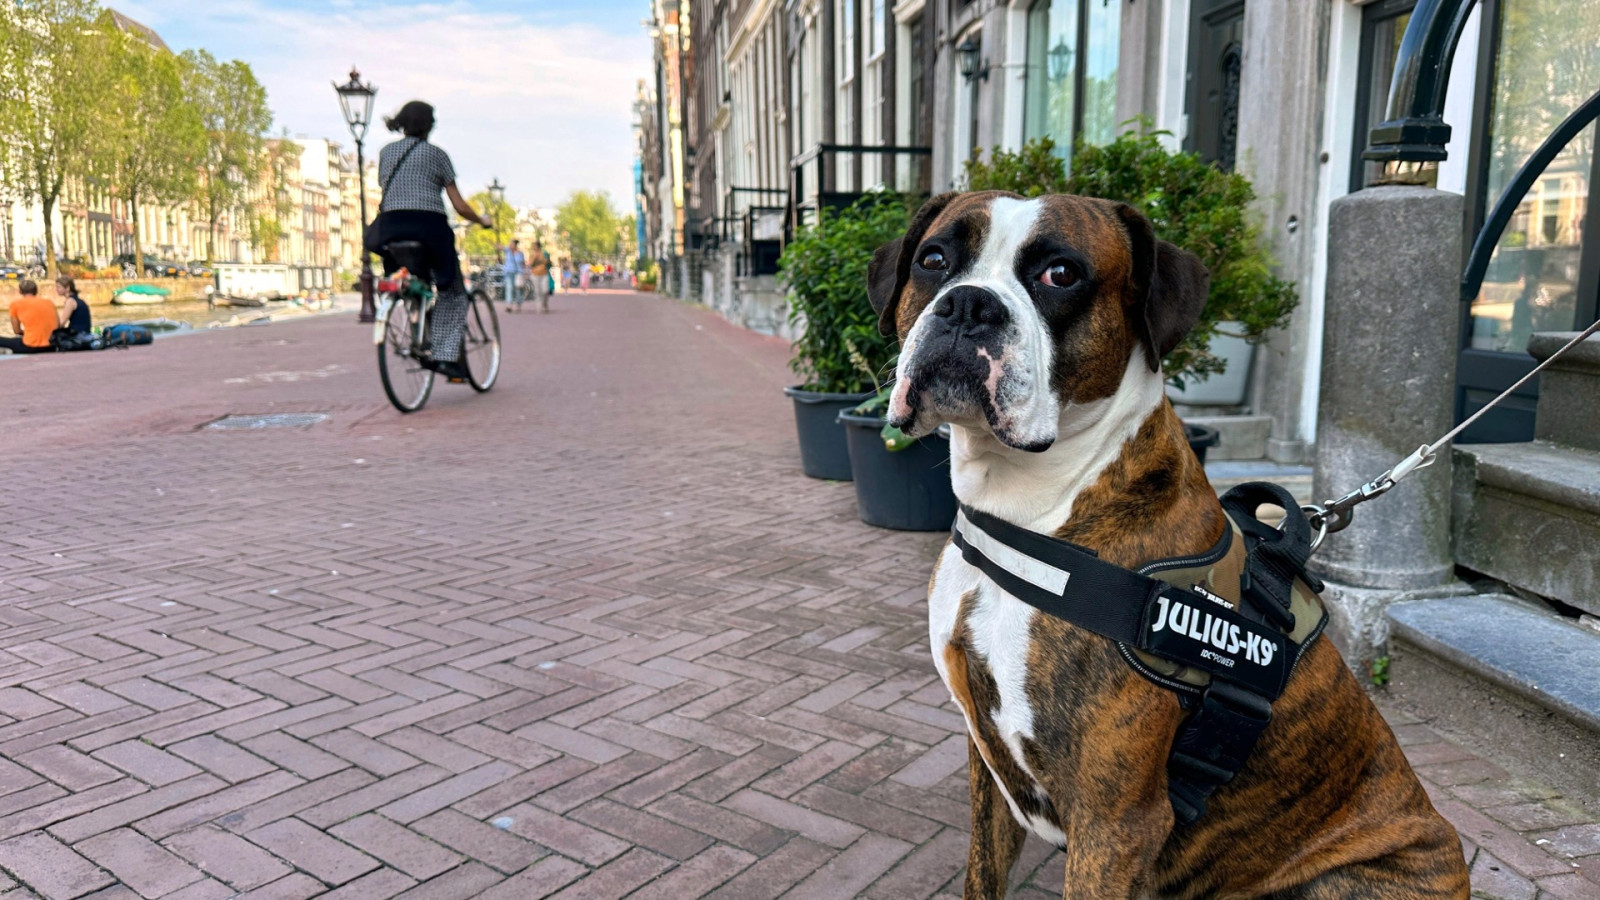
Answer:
[(969, 308)]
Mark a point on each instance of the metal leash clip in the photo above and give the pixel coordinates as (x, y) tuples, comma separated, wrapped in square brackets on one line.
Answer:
[(1335, 515)]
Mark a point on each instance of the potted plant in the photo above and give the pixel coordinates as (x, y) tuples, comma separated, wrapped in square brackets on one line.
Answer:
[(900, 483), (1190, 203), (646, 274), (839, 347)]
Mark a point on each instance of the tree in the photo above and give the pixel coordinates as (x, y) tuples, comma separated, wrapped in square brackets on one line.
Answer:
[(484, 242), (155, 135), (266, 219), (233, 111), (591, 224), (53, 94)]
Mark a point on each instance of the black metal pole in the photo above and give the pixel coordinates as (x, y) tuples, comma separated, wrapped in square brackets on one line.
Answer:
[(368, 310)]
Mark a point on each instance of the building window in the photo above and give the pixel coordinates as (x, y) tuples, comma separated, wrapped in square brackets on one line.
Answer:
[(1382, 25), (1544, 65), (1071, 71)]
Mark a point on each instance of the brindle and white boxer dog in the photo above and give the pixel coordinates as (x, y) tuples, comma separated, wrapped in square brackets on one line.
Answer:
[(1036, 329)]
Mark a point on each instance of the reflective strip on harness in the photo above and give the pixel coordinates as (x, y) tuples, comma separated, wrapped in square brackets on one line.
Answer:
[(1181, 622), (1073, 584)]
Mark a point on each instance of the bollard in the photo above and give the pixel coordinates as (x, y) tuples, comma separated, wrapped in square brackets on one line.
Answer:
[(1391, 337)]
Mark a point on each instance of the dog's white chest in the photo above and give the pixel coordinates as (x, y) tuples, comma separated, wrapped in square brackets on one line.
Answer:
[(996, 626)]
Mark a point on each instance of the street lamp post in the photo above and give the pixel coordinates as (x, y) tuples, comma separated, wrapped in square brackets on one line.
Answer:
[(497, 197), (355, 99)]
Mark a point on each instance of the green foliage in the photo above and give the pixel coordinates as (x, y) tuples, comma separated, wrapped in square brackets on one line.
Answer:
[(1034, 170), (1190, 203), (592, 228), (894, 440), (486, 242), (1380, 671), (647, 269), (233, 111), (54, 87), (825, 268), (148, 146)]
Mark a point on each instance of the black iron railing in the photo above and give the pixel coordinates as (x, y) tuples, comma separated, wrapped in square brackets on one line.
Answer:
[(1511, 198), (833, 176), (1415, 130)]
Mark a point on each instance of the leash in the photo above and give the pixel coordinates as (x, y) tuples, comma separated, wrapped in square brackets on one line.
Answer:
[(1335, 515)]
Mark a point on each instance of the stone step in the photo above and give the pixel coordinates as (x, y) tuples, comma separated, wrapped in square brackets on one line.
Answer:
[(1567, 412), (1529, 515), (1510, 680)]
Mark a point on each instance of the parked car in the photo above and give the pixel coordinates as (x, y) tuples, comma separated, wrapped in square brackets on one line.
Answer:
[(197, 268), (12, 271), (154, 267)]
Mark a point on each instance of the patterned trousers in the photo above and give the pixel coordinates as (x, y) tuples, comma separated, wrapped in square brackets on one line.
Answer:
[(449, 317)]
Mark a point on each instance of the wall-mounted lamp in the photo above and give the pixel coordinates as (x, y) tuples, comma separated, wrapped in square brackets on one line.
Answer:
[(969, 58)]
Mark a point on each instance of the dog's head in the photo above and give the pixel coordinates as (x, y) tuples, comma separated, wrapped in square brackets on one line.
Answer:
[(1008, 309)]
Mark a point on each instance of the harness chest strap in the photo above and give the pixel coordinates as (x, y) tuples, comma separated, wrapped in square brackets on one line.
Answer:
[(1182, 623)]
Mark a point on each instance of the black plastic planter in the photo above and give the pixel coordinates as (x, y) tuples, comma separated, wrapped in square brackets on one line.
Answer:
[(907, 490), (1200, 437), (816, 419)]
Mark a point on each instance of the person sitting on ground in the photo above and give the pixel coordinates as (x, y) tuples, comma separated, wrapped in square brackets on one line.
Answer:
[(32, 319), (74, 311)]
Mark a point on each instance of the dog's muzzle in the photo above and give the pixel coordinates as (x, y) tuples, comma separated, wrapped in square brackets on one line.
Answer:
[(959, 364)]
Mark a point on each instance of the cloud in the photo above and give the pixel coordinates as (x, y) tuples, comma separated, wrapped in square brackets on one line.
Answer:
[(544, 105)]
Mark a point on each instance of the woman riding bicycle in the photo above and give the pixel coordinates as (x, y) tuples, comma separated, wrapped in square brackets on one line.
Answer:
[(413, 174)]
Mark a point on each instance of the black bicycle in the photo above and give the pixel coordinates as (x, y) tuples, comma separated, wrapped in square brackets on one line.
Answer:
[(403, 328)]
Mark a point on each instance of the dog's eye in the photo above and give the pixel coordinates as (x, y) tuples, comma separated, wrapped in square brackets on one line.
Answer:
[(933, 261), (1059, 274)]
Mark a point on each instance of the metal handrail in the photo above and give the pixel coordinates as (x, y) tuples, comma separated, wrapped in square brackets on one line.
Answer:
[(820, 149), (1495, 225), (1415, 130)]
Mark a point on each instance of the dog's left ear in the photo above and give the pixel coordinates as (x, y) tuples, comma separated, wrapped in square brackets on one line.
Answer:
[(1169, 287), (891, 263)]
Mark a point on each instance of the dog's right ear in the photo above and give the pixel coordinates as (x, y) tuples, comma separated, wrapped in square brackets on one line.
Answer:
[(891, 263)]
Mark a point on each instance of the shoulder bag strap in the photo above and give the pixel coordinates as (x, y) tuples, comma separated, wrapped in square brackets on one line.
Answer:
[(396, 170)]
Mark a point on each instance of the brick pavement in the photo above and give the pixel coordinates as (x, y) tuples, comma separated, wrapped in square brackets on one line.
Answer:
[(590, 635)]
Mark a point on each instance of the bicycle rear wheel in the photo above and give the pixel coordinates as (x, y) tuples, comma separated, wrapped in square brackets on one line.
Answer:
[(481, 338), (406, 382)]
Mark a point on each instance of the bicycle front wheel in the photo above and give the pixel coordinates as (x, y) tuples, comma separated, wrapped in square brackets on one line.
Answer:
[(406, 382), (481, 343)]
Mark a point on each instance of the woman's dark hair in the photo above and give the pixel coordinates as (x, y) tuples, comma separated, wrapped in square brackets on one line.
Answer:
[(415, 119), (67, 282)]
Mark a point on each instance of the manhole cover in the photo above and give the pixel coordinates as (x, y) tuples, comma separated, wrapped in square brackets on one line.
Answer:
[(270, 420)]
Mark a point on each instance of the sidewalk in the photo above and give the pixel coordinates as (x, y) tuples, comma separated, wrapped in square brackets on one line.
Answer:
[(589, 635)]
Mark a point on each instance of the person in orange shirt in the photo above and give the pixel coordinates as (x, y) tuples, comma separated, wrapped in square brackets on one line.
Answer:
[(32, 319)]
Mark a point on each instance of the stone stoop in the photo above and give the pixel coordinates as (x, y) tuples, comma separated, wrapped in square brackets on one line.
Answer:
[(1507, 679), (1529, 514)]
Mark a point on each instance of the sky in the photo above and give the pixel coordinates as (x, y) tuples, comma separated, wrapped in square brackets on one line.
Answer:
[(538, 93)]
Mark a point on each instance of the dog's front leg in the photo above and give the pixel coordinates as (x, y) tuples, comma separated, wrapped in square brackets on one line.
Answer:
[(996, 836), (1111, 852)]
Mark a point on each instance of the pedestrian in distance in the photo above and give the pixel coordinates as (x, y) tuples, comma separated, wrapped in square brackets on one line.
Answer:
[(74, 311), (33, 318), (415, 177), (539, 275), (515, 272), (583, 278)]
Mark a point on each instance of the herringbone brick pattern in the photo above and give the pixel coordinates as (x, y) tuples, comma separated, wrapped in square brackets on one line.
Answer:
[(590, 635)]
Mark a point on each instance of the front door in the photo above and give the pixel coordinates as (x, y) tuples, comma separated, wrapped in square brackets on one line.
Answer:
[(1216, 58)]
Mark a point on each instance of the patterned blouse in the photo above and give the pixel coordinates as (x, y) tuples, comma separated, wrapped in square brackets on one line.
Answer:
[(420, 182)]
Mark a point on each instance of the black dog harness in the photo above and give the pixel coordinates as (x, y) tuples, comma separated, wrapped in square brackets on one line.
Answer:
[(1224, 630)]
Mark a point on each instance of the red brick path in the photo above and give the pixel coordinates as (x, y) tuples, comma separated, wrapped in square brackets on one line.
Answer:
[(589, 635)]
